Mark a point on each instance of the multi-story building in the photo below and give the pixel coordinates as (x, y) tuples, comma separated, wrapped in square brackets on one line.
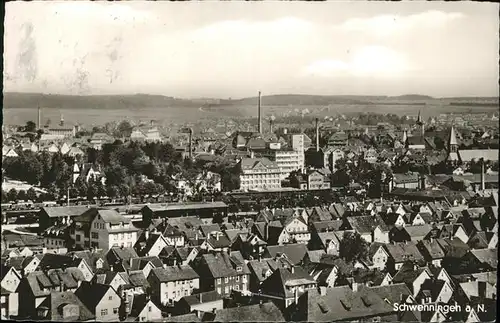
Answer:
[(103, 229), (259, 173), (223, 272), (171, 283), (287, 160)]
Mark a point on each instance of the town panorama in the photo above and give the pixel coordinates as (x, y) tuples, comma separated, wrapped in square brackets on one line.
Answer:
[(223, 199)]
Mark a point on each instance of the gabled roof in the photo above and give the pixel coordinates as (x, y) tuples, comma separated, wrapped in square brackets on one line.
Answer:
[(56, 302), (404, 251), (486, 256), (294, 252), (281, 280), (392, 293), (267, 312), (63, 211), (174, 273), (202, 298), (342, 304), (92, 294)]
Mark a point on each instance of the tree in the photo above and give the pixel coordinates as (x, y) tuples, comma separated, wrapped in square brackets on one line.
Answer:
[(31, 194), (112, 191), (124, 129), (353, 247), (12, 195), (30, 126), (5, 197)]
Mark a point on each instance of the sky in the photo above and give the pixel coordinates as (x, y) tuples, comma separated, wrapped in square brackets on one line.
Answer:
[(234, 49)]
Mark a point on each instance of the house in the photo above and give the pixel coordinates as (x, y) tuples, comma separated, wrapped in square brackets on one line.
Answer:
[(342, 304), (11, 279), (223, 272), (365, 225), (56, 261), (417, 232), (434, 291), (63, 306), (145, 264), (58, 215), (38, 285), (171, 283), (103, 229), (413, 276), (119, 258), (330, 269), (112, 279), (202, 302), (293, 252), (216, 242), (101, 300), (284, 286), (150, 244), (259, 173), (95, 259), (399, 253), (266, 312), (22, 265), (327, 241), (431, 251), (143, 309)]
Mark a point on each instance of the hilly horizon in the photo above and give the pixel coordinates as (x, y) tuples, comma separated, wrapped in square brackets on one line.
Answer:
[(13, 100)]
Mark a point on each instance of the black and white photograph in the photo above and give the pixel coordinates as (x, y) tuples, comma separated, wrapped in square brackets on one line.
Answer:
[(250, 161)]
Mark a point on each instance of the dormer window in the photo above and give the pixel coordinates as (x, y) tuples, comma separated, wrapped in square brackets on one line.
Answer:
[(239, 268)]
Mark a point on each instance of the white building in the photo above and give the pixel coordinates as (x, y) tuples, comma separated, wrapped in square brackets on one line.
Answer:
[(103, 229), (259, 173)]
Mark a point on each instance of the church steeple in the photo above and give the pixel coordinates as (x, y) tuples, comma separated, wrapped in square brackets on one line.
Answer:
[(452, 141)]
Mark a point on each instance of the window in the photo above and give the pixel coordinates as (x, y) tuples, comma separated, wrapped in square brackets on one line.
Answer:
[(237, 278), (115, 310), (237, 287), (226, 290), (110, 298), (226, 279), (95, 235), (219, 290), (150, 308), (104, 312), (78, 238), (219, 281)]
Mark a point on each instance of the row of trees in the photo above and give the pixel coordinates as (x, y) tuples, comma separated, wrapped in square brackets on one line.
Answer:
[(133, 168)]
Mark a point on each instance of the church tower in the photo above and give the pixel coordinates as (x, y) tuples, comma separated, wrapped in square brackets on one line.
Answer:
[(452, 141), (420, 123)]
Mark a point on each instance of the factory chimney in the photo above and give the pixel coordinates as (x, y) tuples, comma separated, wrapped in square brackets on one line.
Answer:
[(260, 114), (317, 134), (39, 118), (483, 186)]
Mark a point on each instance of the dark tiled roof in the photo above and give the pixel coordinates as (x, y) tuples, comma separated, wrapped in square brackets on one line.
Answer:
[(175, 273), (56, 302), (294, 252), (267, 312), (91, 294), (201, 298), (342, 304)]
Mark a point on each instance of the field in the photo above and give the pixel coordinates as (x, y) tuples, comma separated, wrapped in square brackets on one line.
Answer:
[(98, 110)]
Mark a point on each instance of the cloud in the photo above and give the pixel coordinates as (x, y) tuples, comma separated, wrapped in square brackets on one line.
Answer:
[(387, 25), (368, 61)]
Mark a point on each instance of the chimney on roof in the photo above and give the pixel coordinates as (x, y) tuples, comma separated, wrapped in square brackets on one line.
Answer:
[(483, 186), (481, 289), (260, 114), (317, 134), (296, 294)]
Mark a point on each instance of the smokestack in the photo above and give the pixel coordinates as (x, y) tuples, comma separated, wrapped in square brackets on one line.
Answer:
[(271, 125), (483, 186), (39, 118), (317, 134), (260, 114)]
